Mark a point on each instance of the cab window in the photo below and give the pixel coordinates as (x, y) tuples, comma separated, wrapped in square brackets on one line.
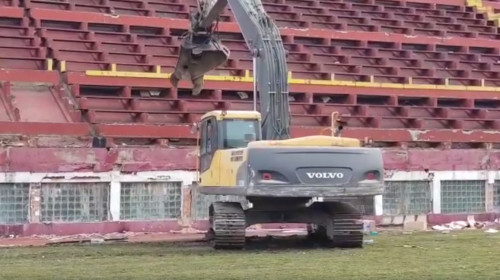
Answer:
[(208, 136), (238, 133), (208, 142)]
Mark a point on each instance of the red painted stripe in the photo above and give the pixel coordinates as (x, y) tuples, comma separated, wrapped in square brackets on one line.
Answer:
[(145, 131), (11, 12), (164, 159), (441, 2), (42, 128), (25, 75), (381, 135)]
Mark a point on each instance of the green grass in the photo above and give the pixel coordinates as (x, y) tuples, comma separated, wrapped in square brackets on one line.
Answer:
[(465, 255)]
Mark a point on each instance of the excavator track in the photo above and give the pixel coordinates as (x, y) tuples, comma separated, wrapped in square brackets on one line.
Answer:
[(348, 231), (227, 225)]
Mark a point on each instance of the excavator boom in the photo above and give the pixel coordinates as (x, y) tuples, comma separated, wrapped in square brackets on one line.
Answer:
[(201, 52)]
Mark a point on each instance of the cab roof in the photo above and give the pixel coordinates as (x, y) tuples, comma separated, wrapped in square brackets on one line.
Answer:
[(232, 114)]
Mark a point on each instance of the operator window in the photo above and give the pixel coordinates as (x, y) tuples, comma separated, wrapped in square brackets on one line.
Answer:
[(238, 133)]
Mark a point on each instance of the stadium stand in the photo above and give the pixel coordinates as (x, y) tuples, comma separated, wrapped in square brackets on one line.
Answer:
[(87, 41), (94, 73)]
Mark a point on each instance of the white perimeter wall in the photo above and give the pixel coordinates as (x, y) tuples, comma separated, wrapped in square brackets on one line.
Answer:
[(115, 180)]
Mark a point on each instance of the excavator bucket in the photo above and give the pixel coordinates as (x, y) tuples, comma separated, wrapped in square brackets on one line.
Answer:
[(198, 55)]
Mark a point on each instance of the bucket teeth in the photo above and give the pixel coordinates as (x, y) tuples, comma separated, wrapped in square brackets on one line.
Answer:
[(174, 80), (198, 56)]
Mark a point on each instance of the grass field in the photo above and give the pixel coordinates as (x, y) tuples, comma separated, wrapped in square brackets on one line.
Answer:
[(464, 255)]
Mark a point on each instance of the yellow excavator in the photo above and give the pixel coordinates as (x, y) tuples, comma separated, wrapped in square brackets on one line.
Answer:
[(249, 155)]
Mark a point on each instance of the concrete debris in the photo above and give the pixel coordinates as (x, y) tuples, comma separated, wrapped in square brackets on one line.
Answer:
[(471, 223), (415, 226), (185, 235), (451, 226), (96, 241), (87, 238), (398, 220), (294, 231), (130, 237), (187, 230)]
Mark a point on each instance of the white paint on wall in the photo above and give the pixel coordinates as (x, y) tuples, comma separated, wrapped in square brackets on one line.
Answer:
[(115, 178)]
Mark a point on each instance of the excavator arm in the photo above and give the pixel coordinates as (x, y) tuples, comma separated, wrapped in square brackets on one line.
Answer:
[(318, 180), (201, 52)]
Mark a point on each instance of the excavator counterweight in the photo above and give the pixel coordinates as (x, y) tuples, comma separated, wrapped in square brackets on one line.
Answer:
[(320, 180)]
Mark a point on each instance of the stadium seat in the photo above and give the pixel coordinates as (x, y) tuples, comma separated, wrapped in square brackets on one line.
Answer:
[(19, 47)]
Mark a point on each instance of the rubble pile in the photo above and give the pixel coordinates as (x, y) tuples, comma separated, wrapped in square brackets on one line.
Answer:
[(471, 223)]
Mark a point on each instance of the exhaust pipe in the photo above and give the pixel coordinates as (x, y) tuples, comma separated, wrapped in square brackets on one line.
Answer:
[(199, 54)]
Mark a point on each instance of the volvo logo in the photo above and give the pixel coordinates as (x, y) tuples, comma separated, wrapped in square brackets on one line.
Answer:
[(325, 175)]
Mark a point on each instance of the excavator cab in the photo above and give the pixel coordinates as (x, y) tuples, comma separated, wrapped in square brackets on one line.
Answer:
[(228, 129), (219, 131)]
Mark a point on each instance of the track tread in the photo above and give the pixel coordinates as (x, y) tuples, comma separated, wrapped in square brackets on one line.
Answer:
[(228, 225), (347, 231)]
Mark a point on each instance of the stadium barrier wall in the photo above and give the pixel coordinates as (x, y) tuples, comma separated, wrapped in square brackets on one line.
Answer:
[(162, 201)]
